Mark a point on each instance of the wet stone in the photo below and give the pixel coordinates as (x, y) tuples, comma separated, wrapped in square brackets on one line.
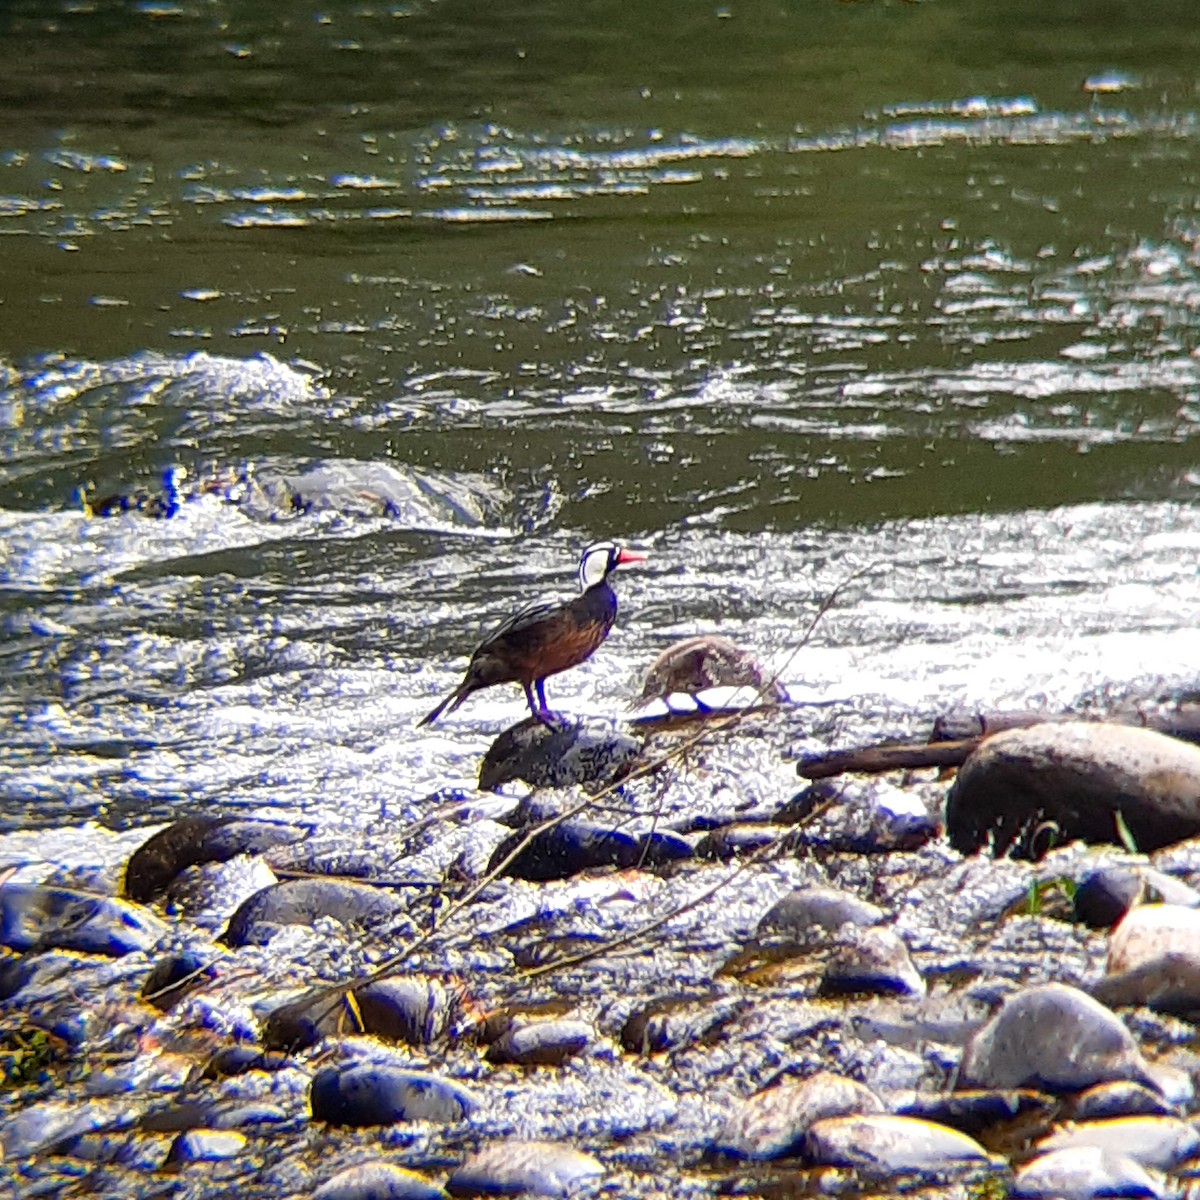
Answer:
[(33, 917), (566, 849), (774, 1123), (303, 901), (1149, 931), (378, 1094), (562, 754), (524, 1168), (173, 977), (378, 1181), (1024, 790), (413, 1009), (1106, 894), (873, 960), (814, 912), (975, 1112), (42, 1127), (879, 1145), (1161, 1142), (542, 1043), (194, 840), (737, 841), (206, 1145), (1052, 1038), (1120, 1099), (1169, 983), (673, 1022), (1085, 1173)]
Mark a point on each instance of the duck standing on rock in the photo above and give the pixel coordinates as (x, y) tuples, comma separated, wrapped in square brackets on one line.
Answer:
[(545, 638)]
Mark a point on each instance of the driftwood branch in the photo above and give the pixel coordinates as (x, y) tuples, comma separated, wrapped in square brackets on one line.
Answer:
[(955, 737)]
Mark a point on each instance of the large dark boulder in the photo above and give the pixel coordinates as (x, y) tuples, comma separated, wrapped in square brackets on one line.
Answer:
[(1026, 790)]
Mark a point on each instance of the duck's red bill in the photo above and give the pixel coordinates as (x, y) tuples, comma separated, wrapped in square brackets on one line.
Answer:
[(629, 556)]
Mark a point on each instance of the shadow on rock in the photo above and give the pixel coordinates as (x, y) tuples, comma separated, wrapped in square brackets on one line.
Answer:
[(590, 754)]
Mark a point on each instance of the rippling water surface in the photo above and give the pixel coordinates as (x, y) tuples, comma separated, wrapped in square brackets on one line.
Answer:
[(780, 293)]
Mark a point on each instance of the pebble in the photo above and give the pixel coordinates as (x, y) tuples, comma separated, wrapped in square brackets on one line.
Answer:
[(873, 960), (414, 1009), (1161, 1142), (564, 754), (524, 1168), (542, 1043), (1150, 931), (303, 901), (813, 912), (206, 1145), (194, 840), (33, 917), (878, 1145), (1052, 1037), (1085, 1173), (1023, 790), (566, 849), (42, 1126), (1106, 894), (377, 1094), (773, 1123), (1119, 1099), (378, 1181)]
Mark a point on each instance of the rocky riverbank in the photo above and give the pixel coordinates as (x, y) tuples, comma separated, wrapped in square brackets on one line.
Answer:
[(698, 979)]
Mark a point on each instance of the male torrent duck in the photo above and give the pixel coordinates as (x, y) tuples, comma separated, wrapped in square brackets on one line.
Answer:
[(545, 638)]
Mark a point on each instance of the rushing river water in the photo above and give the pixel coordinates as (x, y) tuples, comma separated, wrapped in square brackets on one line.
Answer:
[(777, 292)]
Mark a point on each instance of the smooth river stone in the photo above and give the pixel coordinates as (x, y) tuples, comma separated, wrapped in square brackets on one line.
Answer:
[(411, 1008), (1106, 894), (542, 1043), (885, 1145), (564, 754), (33, 917), (1149, 931), (872, 961), (303, 901), (773, 1123), (1161, 1142), (377, 1094), (1053, 1038), (206, 1145), (378, 1181), (1084, 1173), (815, 912), (524, 1168), (1024, 790)]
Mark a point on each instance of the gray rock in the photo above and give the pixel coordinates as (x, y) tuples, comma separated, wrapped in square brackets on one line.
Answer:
[(1169, 983), (1085, 1173), (414, 1009), (773, 1123), (873, 960), (524, 1168), (1054, 1038), (303, 901), (880, 1145), (378, 1181), (378, 1094), (566, 849), (815, 912), (1105, 895), (564, 754), (41, 1127), (1026, 790), (542, 1043), (977, 1112), (33, 917), (1161, 1142), (194, 840), (206, 1145), (1120, 1099)]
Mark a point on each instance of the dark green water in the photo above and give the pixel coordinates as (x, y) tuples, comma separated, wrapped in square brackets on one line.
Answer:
[(776, 290)]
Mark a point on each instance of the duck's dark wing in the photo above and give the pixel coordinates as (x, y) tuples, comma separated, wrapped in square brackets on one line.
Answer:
[(524, 621)]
